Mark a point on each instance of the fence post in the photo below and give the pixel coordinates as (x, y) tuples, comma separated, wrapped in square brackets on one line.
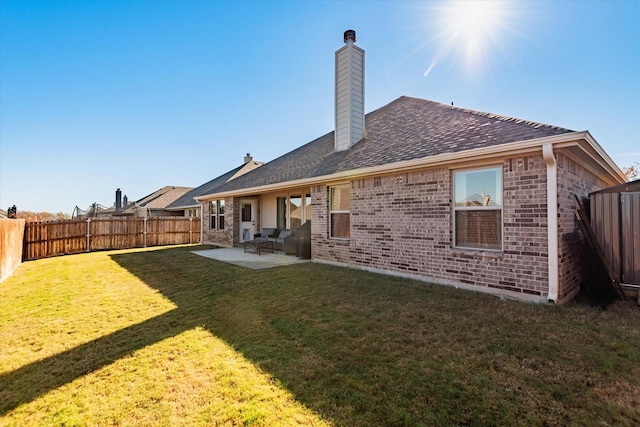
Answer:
[(88, 234), (145, 231), (190, 230)]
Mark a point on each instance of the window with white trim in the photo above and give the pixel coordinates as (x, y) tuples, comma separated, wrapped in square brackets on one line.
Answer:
[(216, 207), (340, 211), (293, 211), (220, 214), (478, 208)]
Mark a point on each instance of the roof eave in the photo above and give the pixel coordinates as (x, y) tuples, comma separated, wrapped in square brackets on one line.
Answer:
[(449, 159), (613, 167), (182, 207)]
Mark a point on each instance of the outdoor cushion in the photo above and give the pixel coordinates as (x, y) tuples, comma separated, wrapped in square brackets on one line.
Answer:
[(266, 232), (281, 236)]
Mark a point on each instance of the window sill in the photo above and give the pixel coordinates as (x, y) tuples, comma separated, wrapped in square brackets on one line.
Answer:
[(478, 252)]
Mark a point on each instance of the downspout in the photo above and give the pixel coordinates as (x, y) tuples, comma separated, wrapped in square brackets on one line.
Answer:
[(201, 223), (552, 219)]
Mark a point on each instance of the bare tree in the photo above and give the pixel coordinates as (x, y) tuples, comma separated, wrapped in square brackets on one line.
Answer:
[(41, 216), (632, 171)]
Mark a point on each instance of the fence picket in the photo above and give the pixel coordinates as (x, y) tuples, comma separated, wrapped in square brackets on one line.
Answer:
[(46, 239)]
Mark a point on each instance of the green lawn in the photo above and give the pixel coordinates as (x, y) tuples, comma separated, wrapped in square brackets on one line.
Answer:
[(165, 337)]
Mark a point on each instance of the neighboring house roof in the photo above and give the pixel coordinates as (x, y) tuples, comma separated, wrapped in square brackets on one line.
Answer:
[(188, 199), (405, 129), (161, 198)]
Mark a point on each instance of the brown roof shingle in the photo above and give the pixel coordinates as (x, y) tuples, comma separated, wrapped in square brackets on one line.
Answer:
[(163, 197), (405, 129), (188, 199)]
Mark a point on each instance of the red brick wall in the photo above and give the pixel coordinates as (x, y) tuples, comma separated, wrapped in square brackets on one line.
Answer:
[(573, 179), (228, 236), (403, 223), (525, 223)]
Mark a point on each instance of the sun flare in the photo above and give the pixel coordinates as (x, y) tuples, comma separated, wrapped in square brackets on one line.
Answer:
[(467, 29)]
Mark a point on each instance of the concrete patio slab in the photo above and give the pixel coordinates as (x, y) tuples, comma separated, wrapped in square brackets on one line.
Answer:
[(237, 256)]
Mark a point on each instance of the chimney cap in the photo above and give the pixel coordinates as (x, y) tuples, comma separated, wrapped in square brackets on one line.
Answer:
[(350, 35)]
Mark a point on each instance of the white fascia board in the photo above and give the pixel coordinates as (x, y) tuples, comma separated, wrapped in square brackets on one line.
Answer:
[(590, 146), (614, 168), (509, 149), (180, 208)]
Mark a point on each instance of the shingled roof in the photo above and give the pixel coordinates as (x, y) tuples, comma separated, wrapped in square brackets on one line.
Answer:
[(405, 129), (187, 200), (163, 197)]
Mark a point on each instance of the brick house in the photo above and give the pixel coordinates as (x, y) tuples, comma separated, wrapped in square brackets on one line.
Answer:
[(426, 190)]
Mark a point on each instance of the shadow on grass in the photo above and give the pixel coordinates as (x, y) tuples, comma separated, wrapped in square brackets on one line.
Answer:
[(201, 289), (30, 381), (357, 348), (279, 319)]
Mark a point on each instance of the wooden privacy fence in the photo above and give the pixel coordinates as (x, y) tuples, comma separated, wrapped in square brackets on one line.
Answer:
[(46, 239), (11, 234)]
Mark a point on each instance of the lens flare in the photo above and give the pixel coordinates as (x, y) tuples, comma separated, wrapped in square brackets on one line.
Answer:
[(468, 31)]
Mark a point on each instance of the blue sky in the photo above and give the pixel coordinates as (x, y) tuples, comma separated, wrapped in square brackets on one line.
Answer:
[(98, 95)]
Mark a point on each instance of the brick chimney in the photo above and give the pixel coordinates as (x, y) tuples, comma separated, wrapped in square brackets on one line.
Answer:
[(247, 158), (349, 102)]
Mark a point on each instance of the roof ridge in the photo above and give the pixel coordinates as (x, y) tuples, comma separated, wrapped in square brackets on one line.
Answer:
[(159, 193), (491, 115)]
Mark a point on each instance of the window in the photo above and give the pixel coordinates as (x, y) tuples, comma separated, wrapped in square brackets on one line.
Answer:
[(339, 211), (478, 208), (216, 207), (213, 209), (295, 212), (281, 213), (220, 214), (307, 207)]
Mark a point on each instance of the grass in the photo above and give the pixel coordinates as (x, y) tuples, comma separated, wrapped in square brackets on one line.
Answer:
[(164, 337)]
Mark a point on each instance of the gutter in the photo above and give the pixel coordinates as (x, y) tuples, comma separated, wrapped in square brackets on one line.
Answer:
[(552, 219), (445, 159), (613, 167)]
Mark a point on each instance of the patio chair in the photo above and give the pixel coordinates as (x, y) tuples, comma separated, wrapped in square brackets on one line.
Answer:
[(299, 242), (266, 233), (278, 242)]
